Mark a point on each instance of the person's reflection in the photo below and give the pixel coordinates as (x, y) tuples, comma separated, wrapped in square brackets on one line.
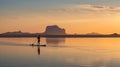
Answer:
[(38, 50)]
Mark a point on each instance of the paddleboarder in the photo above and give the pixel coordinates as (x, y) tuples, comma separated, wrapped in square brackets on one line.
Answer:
[(38, 38)]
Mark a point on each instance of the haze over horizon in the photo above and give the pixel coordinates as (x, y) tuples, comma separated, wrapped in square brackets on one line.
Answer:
[(76, 16)]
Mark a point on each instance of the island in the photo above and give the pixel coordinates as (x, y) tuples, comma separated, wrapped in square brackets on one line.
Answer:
[(55, 31)]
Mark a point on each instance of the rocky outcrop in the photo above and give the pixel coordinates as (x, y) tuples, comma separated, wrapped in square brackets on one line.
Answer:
[(54, 30), (19, 34)]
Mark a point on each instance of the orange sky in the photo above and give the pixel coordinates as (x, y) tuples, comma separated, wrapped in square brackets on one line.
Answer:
[(75, 18), (107, 24)]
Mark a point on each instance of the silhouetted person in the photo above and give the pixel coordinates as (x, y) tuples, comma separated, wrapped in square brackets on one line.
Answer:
[(38, 50), (38, 38)]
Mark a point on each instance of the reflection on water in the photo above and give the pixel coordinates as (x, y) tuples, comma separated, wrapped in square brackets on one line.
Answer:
[(55, 42), (38, 47), (79, 52), (99, 63)]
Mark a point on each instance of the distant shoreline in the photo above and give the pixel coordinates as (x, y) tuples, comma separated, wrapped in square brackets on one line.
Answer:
[(67, 36)]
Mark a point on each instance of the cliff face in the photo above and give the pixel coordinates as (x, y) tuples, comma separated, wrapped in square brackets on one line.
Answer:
[(54, 30)]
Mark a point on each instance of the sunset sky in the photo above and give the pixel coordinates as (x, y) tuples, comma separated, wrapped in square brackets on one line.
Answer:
[(76, 16)]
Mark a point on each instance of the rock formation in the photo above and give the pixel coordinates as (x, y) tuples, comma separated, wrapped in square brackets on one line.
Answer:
[(54, 30)]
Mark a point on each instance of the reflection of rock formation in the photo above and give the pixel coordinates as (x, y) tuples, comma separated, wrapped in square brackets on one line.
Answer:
[(55, 41), (54, 30)]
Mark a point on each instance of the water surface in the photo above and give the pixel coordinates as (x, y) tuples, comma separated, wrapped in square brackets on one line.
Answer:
[(60, 52)]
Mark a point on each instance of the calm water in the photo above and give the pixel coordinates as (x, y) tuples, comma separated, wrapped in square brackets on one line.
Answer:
[(60, 52)]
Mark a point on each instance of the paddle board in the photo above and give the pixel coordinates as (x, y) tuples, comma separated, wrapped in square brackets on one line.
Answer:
[(44, 45)]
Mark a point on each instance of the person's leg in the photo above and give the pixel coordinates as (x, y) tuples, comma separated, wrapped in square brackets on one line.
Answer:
[(38, 41)]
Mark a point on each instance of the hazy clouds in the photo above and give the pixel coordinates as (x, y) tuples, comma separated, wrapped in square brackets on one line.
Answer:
[(87, 8)]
